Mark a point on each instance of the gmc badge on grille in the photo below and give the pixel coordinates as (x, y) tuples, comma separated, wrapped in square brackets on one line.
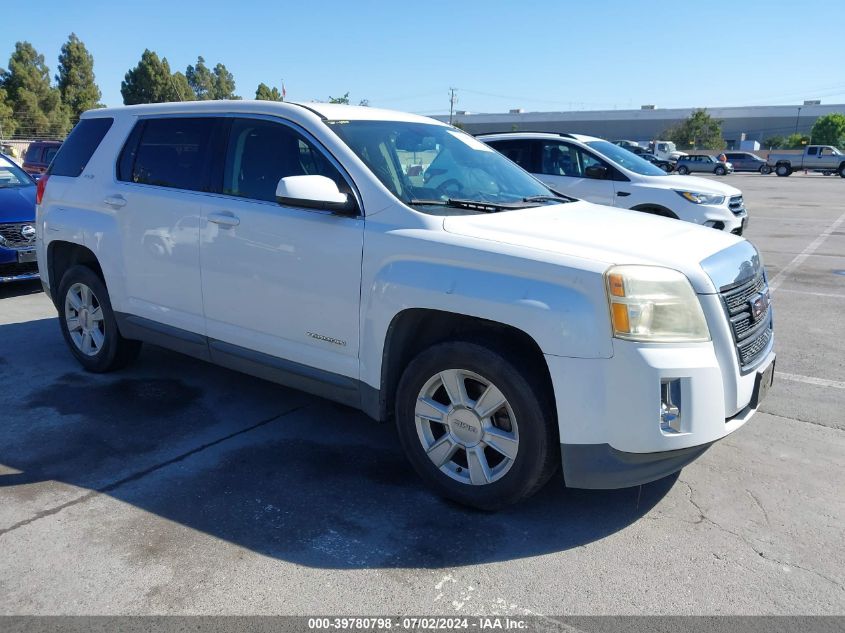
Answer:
[(759, 305)]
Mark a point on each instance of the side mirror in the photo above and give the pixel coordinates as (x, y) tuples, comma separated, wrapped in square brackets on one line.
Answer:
[(596, 172), (314, 192)]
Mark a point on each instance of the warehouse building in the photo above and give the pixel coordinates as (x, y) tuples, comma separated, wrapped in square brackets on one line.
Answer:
[(750, 123)]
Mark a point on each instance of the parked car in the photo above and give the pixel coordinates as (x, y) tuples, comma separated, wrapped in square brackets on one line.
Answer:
[(504, 328), (666, 165), (746, 161), (815, 157), (17, 223), (39, 155), (703, 163), (598, 171)]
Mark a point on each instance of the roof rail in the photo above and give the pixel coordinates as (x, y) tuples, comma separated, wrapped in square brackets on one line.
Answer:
[(563, 134)]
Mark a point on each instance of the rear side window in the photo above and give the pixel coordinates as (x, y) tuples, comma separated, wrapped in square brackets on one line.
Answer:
[(79, 146), (172, 152), (517, 151), (812, 151)]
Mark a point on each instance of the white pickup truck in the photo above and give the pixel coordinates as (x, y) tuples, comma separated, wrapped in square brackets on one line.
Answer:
[(505, 329)]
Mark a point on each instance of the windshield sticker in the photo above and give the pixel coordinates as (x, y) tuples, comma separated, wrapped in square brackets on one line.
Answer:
[(466, 139)]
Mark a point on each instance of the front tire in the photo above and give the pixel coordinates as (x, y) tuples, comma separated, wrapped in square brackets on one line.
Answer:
[(721, 171), (477, 426), (765, 170), (783, 170), (88, 324), (842, 171)]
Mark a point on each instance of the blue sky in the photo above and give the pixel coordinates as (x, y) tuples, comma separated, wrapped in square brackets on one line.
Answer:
[(542, 55)]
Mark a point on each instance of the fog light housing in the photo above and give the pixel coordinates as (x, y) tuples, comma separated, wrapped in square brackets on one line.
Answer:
[(670, 405)]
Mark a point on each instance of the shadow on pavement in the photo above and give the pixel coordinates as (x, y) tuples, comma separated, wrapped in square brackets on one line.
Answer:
[(286, 475)]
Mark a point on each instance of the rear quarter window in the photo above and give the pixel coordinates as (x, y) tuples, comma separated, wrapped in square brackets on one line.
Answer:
[(79, 147)]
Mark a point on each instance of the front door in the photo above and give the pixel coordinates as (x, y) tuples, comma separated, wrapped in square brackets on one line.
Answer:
[(280, 280), (563, 167)]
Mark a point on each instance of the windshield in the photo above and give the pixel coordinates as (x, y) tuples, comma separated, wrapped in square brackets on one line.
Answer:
[(626, 159), (13, 176), (424, 164)]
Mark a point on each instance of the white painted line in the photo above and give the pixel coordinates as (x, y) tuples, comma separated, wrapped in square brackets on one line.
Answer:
[(815, 294), (799, 259), (810, 380)]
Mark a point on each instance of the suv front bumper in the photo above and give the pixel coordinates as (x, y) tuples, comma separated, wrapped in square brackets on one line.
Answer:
[(609, 411)]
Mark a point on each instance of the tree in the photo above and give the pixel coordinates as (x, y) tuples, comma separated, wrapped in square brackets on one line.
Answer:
[(699, 130), (152, 82), (36, 104), (344, 99), (829, 130), (76, 78), (796, 141), (210, 84), (7, 123), (224, 83), (265, 93), (774, 142), (201, 80)]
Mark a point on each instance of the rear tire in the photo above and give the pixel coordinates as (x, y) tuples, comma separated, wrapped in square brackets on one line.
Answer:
[(88, 324), (783, 170), (683, 170), (476, 425)]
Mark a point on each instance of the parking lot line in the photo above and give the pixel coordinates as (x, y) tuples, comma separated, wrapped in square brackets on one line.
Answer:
[(811, 380), (814, 294), (803, 255)]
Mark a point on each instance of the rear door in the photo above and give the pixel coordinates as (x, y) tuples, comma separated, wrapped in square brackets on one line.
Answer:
[(162, 175), (563, 166)]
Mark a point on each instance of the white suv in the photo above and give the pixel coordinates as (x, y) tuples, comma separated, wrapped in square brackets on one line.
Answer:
[(599, 171), (504, 328)]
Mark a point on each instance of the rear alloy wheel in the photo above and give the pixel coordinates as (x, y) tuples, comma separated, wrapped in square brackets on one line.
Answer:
[(88, 323), (783, 170), (474, 426), (683, 170)]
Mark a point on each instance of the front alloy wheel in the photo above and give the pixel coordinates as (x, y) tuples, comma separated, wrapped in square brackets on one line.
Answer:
[(84, 318), (466, 427)]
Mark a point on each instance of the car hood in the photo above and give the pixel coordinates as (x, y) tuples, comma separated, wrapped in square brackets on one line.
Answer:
[(692, 183), (17, 204), (595, 232)]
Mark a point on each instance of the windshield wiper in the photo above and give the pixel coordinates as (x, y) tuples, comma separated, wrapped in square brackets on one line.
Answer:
[(561, 199), (470, 205)]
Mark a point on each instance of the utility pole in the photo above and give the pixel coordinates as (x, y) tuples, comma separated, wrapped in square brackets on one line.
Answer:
[(453, 98)]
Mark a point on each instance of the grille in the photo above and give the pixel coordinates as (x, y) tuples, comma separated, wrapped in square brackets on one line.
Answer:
[(13, 238), (18, 270), (751, 335), (735, 205)]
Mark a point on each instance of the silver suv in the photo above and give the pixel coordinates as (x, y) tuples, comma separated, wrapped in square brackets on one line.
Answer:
[(702, 163)]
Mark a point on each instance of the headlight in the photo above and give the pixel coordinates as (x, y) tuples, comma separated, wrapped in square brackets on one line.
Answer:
[(655, 305), (701, 198)]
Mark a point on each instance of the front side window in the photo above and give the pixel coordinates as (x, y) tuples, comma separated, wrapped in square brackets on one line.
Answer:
[(623, 158), (260, 153), (171, 152), (430, 165)]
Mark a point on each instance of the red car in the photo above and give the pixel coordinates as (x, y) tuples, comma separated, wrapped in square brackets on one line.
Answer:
[(39, 155)]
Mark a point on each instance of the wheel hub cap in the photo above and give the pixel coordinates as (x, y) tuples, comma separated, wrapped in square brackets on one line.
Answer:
[(465, 426)]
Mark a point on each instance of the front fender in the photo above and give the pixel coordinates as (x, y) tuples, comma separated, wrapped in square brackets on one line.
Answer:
[(565, 317)]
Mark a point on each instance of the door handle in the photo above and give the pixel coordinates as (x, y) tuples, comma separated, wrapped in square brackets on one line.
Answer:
[(622, 194), (115, 201), (224, 219)]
